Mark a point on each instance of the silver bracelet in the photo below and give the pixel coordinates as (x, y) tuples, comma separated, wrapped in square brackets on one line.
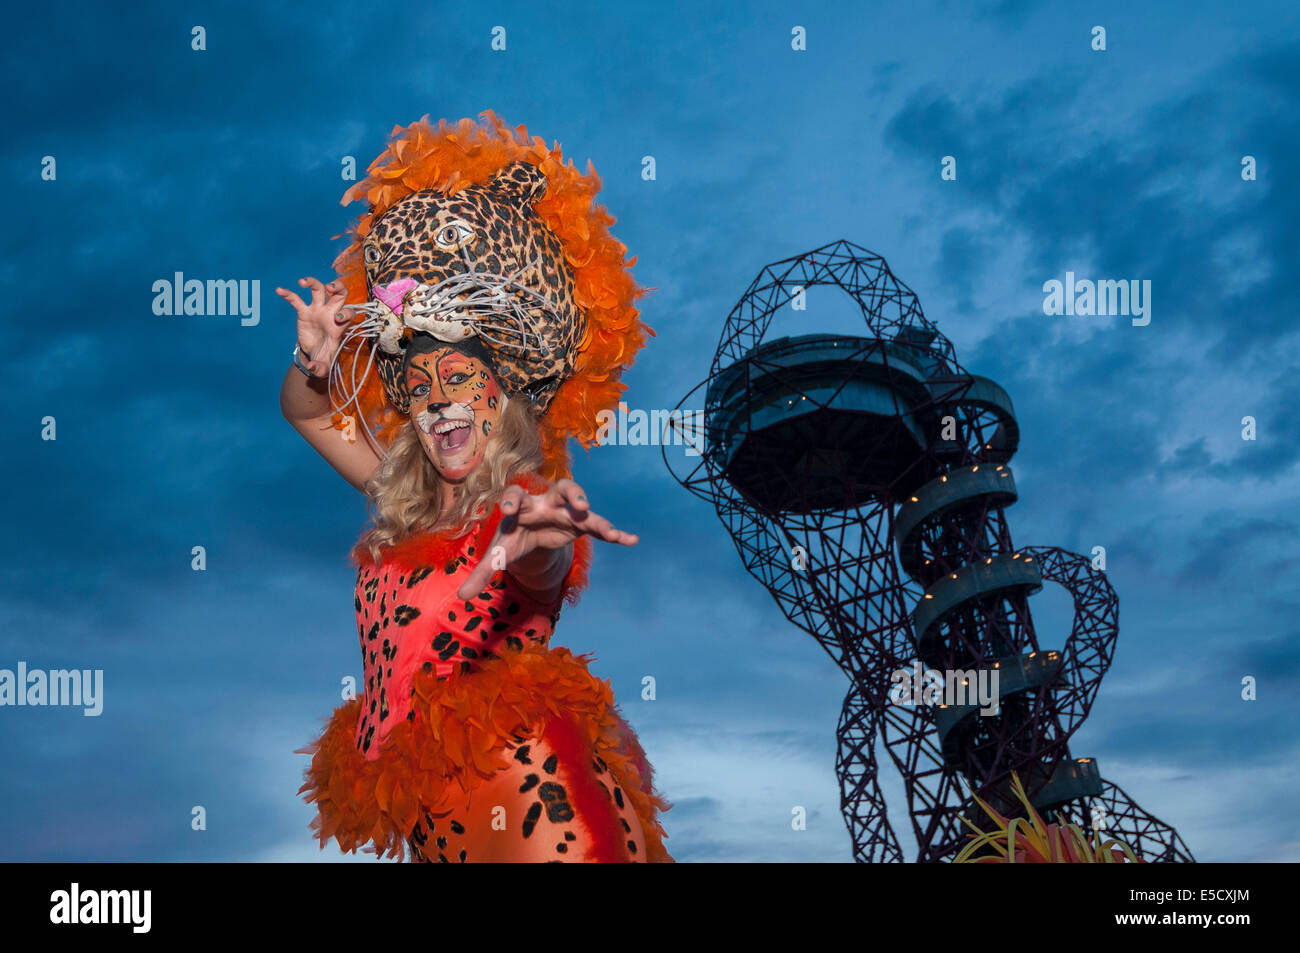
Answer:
[(297, 362)]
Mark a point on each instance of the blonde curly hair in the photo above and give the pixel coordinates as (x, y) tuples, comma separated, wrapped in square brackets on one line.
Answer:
[(406, 492)]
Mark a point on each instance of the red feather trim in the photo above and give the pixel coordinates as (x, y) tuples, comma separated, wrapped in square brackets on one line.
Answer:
[(591, 802)]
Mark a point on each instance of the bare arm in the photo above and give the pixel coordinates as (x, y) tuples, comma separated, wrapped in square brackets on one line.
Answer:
[(305, 401)]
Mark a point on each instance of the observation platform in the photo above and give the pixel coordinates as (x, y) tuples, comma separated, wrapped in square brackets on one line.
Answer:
[(821, 421)]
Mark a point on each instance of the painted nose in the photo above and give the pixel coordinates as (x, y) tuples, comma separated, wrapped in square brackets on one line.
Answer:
[(394, 293)]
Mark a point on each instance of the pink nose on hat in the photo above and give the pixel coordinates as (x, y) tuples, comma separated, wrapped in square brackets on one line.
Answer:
[(394, 293)]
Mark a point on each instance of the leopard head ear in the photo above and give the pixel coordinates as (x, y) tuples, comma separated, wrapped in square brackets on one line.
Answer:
[(520, 183)]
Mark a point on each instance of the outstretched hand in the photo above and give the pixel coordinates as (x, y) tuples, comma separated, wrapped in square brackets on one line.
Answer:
[(533, 526), (321, 323)]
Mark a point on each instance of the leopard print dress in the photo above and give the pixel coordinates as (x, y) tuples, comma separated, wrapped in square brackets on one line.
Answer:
[(473, 739)]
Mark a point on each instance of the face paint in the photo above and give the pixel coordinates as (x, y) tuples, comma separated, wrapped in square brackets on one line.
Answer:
[(456, 405)]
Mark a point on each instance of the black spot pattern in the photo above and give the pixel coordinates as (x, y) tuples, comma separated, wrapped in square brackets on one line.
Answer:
[(530, 820), (556, 801), (389, 612)]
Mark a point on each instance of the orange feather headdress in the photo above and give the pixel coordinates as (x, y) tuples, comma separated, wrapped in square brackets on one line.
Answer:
[(449, 159)]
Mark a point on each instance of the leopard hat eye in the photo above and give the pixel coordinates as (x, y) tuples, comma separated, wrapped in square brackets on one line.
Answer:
[(372, 254), (453, 235)]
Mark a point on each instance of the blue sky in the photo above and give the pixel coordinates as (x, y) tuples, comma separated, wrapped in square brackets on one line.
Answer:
[(225, 164)]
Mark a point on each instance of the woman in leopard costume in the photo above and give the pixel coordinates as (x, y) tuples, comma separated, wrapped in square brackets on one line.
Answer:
[(482, 316)]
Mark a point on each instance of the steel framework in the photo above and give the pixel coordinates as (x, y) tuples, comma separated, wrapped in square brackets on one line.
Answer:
[(865, 481)]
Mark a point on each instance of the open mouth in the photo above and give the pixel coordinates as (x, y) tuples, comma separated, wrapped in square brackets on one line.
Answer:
[(451, 435)]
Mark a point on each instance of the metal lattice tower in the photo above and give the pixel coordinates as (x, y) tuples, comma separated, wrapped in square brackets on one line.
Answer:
[(865, 482)]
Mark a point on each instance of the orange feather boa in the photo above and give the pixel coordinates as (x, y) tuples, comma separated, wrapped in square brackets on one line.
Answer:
[(458, 736)]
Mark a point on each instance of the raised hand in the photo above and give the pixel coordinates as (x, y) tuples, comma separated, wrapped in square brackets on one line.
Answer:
[(533, 527), (320, 324)]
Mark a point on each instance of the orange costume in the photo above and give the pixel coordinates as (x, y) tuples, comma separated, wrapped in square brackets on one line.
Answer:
[(474, 740)]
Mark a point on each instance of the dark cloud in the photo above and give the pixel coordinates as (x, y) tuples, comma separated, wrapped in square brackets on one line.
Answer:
[(1274, 662), (964, 255), (1237, 549), (1038, 155)]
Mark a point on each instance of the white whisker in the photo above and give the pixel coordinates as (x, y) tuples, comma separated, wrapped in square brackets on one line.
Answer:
[(499, 309)]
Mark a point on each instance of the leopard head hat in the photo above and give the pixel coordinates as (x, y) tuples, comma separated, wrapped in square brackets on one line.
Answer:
[(478, 264), (477, 231)]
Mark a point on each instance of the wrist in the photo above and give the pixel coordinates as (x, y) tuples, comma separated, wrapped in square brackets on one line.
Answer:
[(300, 358), (542, 569)]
